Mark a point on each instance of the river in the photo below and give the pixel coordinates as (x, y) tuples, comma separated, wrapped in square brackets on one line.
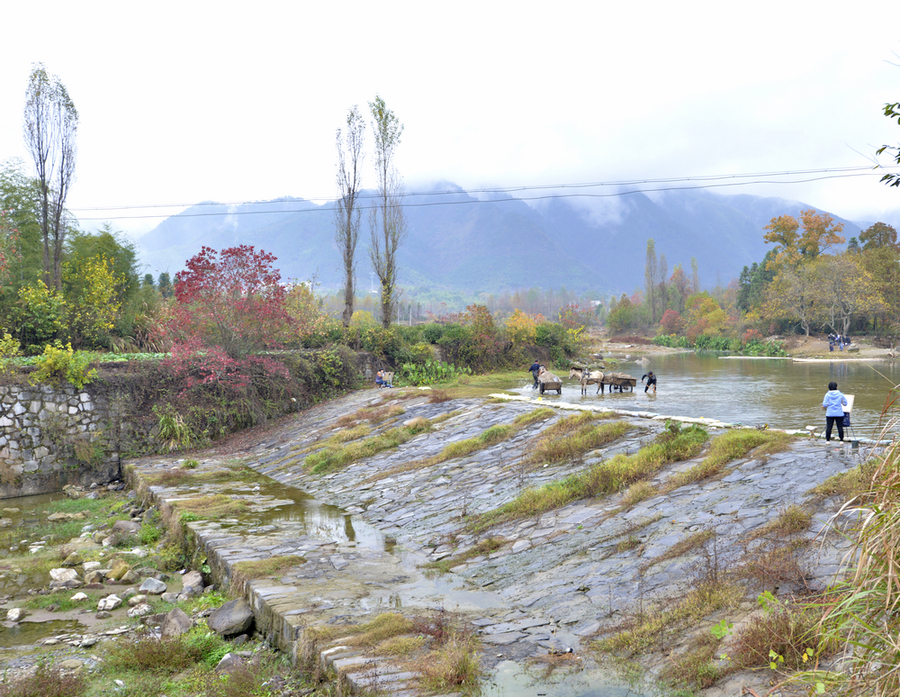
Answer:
[(779, 392)]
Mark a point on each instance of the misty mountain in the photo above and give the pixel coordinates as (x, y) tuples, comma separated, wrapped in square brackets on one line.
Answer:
[(458, 242)]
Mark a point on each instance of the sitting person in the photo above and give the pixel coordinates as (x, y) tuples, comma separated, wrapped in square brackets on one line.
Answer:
[(379, 379)]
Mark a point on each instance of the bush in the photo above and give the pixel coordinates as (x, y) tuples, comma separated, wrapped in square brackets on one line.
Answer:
[(60, 363), (432, 332)]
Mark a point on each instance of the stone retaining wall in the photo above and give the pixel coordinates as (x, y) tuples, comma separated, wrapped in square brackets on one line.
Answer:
[(53, 436)]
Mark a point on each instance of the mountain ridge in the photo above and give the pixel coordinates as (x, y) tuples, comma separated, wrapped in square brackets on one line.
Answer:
[(496, 243)]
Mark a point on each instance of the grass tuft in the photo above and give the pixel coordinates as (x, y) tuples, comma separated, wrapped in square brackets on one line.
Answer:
[(602, 479)]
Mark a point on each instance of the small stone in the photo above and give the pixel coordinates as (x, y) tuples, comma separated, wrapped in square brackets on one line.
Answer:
[(140, 610), (17, 614), (131, 576), (193, 579), (137, 600), (78, 597), (110, 602), (230, 662)]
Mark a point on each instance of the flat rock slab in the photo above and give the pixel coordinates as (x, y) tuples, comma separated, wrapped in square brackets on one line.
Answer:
[(556, 580)]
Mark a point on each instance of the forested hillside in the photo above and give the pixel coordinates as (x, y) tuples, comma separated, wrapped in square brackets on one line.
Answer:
[(458, 242)]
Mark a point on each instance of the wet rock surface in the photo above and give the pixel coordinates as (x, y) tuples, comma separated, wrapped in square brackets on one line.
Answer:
[(557, 580)]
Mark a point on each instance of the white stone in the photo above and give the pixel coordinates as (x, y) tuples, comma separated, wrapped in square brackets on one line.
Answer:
[(64, 575), (79, 596), (15, 615), (110, 602), (140, 610)]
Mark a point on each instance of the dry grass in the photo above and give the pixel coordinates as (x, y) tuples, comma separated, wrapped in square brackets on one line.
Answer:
[(373, 415), (668, 618), (335, 456), (212, 506), (694, 669), (244, 571), (381, 628), (637, 492), (602, 479)]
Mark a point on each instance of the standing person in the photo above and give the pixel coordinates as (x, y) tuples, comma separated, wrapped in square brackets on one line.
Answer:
[(833, 404), (831, 342), (535, 369), (651, 380)]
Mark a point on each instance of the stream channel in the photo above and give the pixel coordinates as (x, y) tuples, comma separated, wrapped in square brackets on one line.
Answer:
[(782, 393)]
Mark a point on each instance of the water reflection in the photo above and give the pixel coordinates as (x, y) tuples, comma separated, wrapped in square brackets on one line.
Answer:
[(782, 393), (314, 518), (510, 679)]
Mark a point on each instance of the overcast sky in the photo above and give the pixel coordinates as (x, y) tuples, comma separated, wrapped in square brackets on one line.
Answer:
[(182, 102)]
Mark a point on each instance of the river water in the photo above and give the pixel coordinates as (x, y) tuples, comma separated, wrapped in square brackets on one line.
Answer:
[(779, 392)]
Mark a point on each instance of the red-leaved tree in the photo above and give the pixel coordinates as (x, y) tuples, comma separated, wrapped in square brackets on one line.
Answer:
[(232, 299)]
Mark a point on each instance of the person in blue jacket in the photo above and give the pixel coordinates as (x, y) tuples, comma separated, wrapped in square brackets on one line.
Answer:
[(535, 369), (833, 404)]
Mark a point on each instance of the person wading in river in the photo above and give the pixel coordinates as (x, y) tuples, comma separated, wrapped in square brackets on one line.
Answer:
[(833, 404), (535, 369), (651, 381)]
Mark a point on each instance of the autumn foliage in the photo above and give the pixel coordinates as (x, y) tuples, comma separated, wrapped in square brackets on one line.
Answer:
[(233, 300)]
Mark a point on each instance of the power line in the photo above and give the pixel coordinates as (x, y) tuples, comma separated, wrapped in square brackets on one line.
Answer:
[(647, 185)]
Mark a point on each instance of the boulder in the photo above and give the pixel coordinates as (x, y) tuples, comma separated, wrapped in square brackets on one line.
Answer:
[(74, 559), (94, 577), (137, 600), (154, 586), (193, 579), (176, 623), (234, 617), (79, 597), (131, 576), (118, 570), (63, 575)]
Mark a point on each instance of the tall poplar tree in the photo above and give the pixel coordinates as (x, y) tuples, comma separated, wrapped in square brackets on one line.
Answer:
[(346, 209), (51, 124), (387, 221)]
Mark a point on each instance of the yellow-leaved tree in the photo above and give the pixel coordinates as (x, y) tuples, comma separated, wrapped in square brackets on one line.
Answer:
[(793, 245), (93, 310)]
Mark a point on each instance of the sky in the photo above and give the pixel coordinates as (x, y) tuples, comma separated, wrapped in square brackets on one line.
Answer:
[(183, 102)]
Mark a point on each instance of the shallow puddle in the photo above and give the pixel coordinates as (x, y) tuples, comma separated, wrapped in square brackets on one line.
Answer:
[(274, 504), (510, 679), (26, 633)]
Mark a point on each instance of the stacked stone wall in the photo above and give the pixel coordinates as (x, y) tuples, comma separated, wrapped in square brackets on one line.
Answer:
[(53, 436)]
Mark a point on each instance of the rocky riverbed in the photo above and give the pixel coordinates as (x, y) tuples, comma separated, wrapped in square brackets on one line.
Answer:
[(546, 586)]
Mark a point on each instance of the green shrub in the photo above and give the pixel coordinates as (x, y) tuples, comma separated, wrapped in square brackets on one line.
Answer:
[(60, 363), (432, 332)]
